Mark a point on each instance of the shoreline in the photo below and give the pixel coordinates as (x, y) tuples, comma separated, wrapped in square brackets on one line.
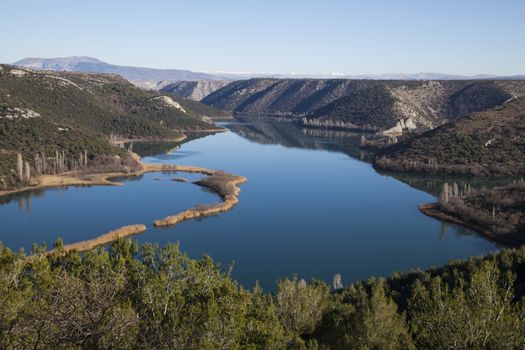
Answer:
[(145, 139), (221, 183), (202, 130), (433, 210)]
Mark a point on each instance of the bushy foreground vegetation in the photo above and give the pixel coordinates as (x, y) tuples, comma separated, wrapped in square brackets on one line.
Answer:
[(151, 298)]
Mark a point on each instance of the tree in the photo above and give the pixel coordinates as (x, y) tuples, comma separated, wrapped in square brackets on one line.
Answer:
[(20, 167), (300, 306), (477, 314), (27, 173), (444, 196), (377, 323)]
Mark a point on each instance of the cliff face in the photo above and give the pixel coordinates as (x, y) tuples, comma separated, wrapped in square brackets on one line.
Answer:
[(194, 90), (376, 105)]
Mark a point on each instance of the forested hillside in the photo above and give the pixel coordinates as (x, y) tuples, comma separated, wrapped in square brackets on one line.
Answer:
[(485, 143), (66, 119), (393, 106)]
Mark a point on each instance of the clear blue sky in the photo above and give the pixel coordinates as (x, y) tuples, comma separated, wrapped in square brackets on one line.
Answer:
[(346, 36)]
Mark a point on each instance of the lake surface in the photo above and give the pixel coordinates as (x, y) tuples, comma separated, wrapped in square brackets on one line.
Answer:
[(310, 207)]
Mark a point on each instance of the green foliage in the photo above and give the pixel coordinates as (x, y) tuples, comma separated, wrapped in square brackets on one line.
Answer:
[(158, 298), (300, 306), (73, 113), (480, 315)]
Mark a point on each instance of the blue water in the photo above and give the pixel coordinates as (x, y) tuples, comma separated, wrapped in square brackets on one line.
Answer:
[(309, 210), (79, 213)]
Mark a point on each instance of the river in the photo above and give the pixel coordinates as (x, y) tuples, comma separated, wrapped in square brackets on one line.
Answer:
[(310, 207)]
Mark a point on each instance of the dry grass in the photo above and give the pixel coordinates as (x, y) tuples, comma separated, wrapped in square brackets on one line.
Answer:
[(106, 238), (222, 183)]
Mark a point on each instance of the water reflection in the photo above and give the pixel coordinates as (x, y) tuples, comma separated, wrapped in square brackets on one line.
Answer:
[(269, 131), (153, 148)]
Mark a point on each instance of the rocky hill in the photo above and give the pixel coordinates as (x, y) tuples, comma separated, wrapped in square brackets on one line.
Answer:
[(75, 114), (491, 142), (390, 106), (194, 90)]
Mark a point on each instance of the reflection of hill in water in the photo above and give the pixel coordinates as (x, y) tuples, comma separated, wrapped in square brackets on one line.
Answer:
[(267, 132), (432, 183), (153, 148)]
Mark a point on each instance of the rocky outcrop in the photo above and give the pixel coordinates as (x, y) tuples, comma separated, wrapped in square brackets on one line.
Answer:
[(194, 90)]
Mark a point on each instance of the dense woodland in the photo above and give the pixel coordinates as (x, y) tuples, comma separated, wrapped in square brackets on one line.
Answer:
[(150, 298)]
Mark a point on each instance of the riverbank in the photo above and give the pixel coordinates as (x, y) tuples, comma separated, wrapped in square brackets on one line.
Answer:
[(223, 184), (434, 210)]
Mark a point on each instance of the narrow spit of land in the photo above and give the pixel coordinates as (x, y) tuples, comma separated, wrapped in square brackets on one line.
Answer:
[(224, 184)]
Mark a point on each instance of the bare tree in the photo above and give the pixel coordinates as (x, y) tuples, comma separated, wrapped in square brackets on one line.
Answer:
[(337, 282), (20, 167), (444, 196), (27, 175)]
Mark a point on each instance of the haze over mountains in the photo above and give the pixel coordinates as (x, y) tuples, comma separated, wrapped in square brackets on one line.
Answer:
[(146, 77), (150, 77)]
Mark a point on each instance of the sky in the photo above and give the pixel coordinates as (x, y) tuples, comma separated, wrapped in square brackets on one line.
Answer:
[(274, 36)]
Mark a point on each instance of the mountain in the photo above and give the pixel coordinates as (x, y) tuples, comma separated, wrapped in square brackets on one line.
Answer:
[(388, 106), (194, 90), (387, 76), (491, 142), (44, 112), (136, 75)]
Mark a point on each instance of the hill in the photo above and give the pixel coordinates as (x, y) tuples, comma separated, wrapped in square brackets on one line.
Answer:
[(138, 75), (391, 106), (42, 113), (193, 90), (485, 143)]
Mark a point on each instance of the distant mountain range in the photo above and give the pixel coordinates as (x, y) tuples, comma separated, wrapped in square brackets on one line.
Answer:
[(150, 77), (144, 77), (388, 76)]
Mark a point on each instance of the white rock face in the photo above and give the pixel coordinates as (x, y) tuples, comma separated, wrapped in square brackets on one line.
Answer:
[(401, 125), (194, 90), (15, 113), (168, 101), (423, 104), (18, 72), (63, 81)]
